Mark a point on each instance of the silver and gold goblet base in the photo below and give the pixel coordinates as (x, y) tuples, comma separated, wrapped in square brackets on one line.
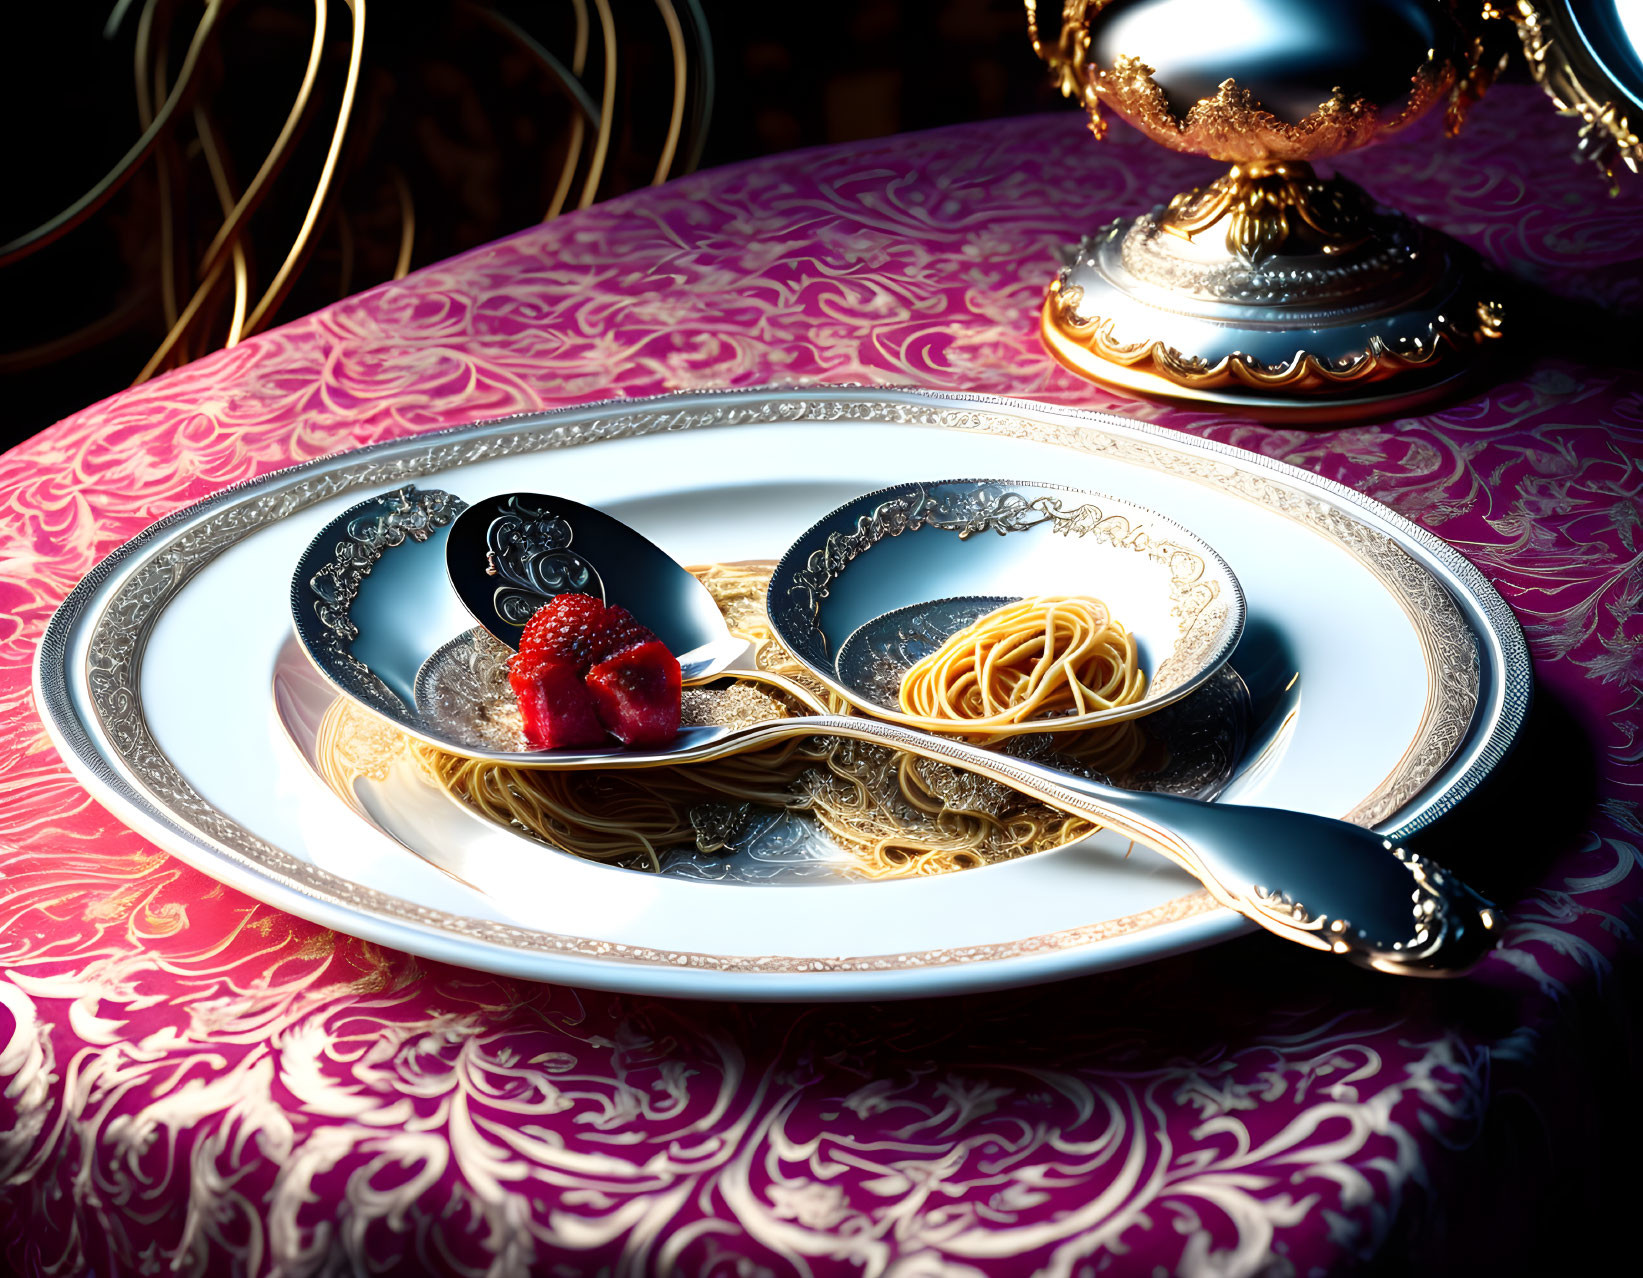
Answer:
[(1276, 293)]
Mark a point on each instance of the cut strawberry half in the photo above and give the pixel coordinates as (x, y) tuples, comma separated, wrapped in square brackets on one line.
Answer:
[(636, 694), (579, 631), (582, 668), (621, 631), (570, 629), (557, 706)]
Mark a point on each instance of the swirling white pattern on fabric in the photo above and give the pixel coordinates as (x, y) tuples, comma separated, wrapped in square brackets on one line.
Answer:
[(191, 1082)]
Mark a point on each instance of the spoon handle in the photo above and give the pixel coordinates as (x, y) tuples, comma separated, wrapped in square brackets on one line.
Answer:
[(1312, 879)]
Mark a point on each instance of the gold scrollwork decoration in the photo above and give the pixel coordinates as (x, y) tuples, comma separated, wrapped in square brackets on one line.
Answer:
[(1264, 203), (1090, 340), (1575, 81), (1233, 125), (1068, 56)]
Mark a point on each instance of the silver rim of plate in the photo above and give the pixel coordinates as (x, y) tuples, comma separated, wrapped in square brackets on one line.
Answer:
[(88, 685)]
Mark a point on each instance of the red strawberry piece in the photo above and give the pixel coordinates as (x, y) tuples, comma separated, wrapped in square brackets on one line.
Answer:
[(557, 706), (622, 630), (636, 694), (568, 629)]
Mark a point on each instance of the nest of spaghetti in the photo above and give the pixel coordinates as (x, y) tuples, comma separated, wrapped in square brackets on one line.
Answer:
[(1042, 658), (897, 814)]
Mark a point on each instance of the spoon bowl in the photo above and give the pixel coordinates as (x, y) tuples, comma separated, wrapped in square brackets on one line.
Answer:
[(509, 554), (878, 653), (384, 597), (885, 578)]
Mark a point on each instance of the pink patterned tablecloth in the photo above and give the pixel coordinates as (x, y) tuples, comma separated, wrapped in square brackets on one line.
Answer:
[(191, 1082)]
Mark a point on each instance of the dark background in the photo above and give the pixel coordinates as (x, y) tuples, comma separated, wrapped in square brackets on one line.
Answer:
[(456, 129), (794, 75), (462, 114)]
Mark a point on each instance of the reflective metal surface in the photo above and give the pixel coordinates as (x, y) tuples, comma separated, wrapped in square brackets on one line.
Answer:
[(373, 603), (879, 652), (1397, 314), (1196, 747), (1307, 78), (1313, 880), (1320, 882), (368, 598), (1270, 288), (509, 554), (1588, 56), (899, 550), (364, 602)]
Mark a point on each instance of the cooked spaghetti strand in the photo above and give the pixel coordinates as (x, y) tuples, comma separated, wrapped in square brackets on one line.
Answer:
[(1039, 658), (898, 814)]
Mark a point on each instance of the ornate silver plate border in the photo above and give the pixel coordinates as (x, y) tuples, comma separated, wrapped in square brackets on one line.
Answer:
[(1475, 712)]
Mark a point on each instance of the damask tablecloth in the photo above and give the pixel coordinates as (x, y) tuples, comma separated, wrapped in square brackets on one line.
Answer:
[(191, 1082)]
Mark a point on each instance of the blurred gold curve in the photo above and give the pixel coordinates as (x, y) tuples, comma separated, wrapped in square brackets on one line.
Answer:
[(573, 147), (227, 235), (607, 104), (208, 297), (676, 43), (82, 208), (1578, 85), (282, 280)]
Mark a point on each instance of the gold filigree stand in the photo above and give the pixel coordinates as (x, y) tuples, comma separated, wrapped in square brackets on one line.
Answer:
[(1269, 206), (1286, 294)]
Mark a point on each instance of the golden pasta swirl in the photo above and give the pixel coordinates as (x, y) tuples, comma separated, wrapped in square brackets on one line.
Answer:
[(897, 814), (1039, 658)]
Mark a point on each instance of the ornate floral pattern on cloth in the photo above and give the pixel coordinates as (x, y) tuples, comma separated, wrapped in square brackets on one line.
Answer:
[(193, 1083)]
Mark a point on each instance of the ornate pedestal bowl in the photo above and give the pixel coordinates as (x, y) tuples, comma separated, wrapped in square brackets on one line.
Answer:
[(1272, 288)]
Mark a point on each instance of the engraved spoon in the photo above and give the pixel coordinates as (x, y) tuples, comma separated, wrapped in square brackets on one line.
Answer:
[(1320, 882), (508, 555)]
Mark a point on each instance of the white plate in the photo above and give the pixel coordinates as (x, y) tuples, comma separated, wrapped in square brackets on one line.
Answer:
[(155, 681)]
